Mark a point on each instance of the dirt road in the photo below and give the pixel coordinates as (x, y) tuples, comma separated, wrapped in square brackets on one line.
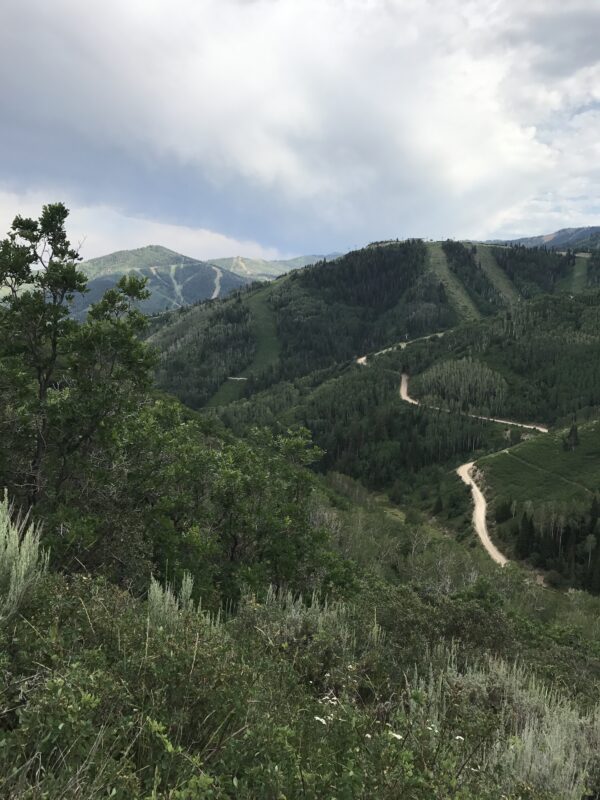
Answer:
[(465, 473), (404, 395)]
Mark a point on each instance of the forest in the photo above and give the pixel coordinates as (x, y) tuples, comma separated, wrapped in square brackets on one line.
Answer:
[(462, 261), (533, 270), (547, 351), (334, 311), (191, 609)]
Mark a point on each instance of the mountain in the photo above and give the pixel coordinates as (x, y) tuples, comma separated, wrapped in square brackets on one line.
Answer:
[(259, 269), (328, 313), (174, 280), (565, 238), (288, 590), (302, 321)]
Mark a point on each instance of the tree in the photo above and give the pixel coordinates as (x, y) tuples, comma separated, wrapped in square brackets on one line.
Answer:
[(572, 439), (62, 384)]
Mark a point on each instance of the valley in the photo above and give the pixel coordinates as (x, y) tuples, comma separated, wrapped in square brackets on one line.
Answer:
[(300, 400), (302, 520)]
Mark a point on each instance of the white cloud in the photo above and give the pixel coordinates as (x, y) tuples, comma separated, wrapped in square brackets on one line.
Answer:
[(97, 230), (334, 119)]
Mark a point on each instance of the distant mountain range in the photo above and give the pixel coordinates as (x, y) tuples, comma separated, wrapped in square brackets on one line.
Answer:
[(565, 238), (175, 280)]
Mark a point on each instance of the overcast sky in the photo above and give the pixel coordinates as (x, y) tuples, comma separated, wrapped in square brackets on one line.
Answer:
[(267, 127)]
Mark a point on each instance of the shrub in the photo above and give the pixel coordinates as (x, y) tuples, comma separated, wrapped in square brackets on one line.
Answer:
[(22, 563)]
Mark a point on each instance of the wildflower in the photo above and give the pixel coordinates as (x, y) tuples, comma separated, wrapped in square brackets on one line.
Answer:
[(321, 720), (368, 736), (396, 735), (459, 738)]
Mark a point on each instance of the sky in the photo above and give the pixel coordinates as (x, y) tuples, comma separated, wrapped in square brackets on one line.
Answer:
[(271, 128)]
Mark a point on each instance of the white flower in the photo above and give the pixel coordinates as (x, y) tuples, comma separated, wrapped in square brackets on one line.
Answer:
[(459, 738), (368, 736), (396, 735), (321, 720)]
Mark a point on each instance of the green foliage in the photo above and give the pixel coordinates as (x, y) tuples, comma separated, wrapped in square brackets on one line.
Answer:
[(172, 280), (22, 562), (463, 385), (461, 260), (547, 351), (593, 271), (533, 269), (63, 386), (202, 347), (496, 276), (337, 698), (546, 504)]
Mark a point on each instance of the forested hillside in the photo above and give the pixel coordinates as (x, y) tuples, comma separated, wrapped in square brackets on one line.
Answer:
[(318, 316), (192, 610), (173, 281), (542, 360), (546, 504), (330, 312)]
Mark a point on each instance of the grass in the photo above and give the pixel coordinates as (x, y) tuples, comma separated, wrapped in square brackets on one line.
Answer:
[(457, 294), (497, 276), (579, 279), (576, 281), (268, 347), (541, 470)]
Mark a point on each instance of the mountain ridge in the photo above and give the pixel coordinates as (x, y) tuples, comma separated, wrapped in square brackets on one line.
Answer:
[(565, 238), (174, 280)]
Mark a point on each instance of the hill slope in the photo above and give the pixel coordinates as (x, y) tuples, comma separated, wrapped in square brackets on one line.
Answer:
[(260, 269), (566, 238), (331, 312), (545, 502), (174, 280), (314, 318)]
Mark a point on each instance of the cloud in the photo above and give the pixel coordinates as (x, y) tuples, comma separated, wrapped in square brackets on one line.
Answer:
[(313, 125), (97, 230)]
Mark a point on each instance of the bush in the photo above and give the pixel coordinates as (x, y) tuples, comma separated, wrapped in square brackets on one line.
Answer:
[(21, 562)]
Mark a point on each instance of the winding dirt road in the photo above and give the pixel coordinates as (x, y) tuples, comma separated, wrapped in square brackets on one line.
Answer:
[(408, 399), (466, 471)]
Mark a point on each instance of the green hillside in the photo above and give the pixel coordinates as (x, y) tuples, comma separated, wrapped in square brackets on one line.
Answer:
[(173, 280), (313, 318), (263, 330), (496, 276), (546, 499), (130, 260), (361, 302), (274, 588), (457, 293), (546, 351)]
